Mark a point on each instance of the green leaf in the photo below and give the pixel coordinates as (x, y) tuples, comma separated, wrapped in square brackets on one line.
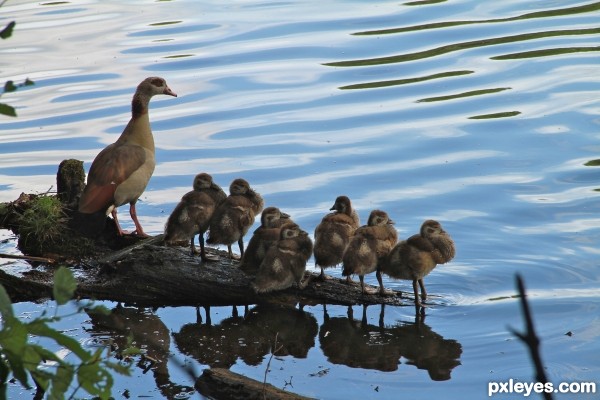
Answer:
[(119, 368), (64, 285), (42, 378), (131, 351), (95, 380), (13, 339), (5, 109), (31, 358), (61, 382), (39, 328), (5, 304), (10, 86), (8, 30), (45, 354), (4, 371), (102, 310)]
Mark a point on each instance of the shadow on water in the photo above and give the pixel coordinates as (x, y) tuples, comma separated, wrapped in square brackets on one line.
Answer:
[(249, 338), (357, 344), (467, 45), (587, 8), (472, 44), (127, 326), (281, 331)]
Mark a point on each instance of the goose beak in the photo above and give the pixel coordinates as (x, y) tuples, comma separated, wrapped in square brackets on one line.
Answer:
[(169, 92), (284, 215)]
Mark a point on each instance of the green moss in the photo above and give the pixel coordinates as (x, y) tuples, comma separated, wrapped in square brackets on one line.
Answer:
[(44, 219), (43, 229)]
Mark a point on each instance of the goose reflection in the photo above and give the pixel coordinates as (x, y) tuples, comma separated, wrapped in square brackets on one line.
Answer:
[(148, 333), (357, 344), (214, 345), (249, 338), (426, 349)]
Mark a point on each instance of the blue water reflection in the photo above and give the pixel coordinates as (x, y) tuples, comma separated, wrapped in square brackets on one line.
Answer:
[(483, 115)]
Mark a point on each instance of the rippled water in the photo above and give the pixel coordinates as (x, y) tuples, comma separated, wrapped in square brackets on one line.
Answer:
[(483, 115)]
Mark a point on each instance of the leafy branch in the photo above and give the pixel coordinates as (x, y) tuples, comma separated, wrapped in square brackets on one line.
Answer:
[(23, 359), (10, 86)]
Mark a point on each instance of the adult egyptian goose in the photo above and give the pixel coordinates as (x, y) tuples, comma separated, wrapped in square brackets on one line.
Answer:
[(193, 213), (369, 245), (119, 173), (285, 262), (232, 219), (415, 257), (271, 221), (333, 234)]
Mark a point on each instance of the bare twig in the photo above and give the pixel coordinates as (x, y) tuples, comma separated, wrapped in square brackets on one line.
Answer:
[(530, 338), (274, 350), (119, 254), (28, 258)]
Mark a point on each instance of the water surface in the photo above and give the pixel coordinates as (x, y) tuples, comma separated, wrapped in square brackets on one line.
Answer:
[(483, 115)]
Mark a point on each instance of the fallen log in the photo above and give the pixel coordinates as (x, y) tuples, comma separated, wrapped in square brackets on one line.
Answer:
[(220, 383), (152, 275)]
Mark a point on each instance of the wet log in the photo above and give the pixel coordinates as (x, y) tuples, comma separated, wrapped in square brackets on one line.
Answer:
[(152, 275), (21, 289), (220, 383)]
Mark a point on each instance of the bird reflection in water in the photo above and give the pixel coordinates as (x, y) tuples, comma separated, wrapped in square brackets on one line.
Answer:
[(358, 344), (147, 332), (249, 338)]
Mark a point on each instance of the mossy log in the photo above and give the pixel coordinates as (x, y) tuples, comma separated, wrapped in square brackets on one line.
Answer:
[(220, 383)]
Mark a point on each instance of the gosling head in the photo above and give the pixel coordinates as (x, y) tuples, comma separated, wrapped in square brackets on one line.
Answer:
[(239, 187), (379, 218)]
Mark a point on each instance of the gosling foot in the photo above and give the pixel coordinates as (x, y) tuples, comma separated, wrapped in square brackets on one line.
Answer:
[(368, 290), (210, 257), (322, 277), (388, 293)]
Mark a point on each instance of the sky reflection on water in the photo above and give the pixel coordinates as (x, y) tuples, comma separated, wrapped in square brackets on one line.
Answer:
[(311, 100)]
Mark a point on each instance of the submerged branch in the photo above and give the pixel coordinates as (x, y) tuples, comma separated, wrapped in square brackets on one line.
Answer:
[(530, 338), (220, 383)]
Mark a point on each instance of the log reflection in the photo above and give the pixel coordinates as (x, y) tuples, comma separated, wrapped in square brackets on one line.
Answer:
[(147, 332), (357, 344), (249, 338)]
